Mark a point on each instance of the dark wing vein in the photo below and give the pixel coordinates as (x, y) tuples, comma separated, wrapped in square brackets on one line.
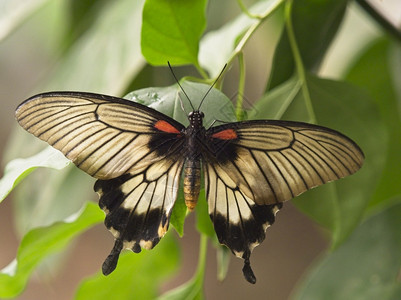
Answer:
[(104, 136), (138, 207), (297, 157)]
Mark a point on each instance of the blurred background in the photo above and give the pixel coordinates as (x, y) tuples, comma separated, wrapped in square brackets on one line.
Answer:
[(29, 55)]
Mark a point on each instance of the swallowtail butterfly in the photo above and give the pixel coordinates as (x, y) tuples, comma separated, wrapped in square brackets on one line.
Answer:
[(139, 155)]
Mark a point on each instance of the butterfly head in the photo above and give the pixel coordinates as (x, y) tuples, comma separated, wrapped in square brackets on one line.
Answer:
[(196, 118)]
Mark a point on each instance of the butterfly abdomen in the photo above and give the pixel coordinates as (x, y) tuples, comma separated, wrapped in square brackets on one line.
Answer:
[(192, 182)]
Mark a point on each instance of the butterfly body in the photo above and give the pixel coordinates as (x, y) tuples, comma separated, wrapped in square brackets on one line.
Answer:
[(139, 155), (194, 134)]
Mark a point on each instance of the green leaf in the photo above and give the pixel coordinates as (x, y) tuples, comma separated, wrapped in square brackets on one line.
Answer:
[(367, 266), (106, 57), (137, 276), (223, 261), (315, 24), (379, 58), (171, 31), (18, 169), (179, 213), (193, 289), (274, 104), (217, 46), (216, 105), (339, 206), (41, 242), (81, 16), (203, 222), (40, 202)]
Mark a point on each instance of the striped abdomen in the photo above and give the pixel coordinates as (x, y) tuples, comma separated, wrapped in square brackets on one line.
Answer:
[(192, 176)]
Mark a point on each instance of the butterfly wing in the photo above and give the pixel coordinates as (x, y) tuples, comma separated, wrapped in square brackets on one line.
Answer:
[(138, 207), (134, 151), (104, 136), (252, 167)]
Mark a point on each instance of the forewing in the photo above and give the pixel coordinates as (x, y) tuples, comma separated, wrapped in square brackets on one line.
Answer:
[(138, 207), (103, 135), (274, 161)]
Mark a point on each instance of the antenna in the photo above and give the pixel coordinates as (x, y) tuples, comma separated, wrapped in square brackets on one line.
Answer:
[(208, 91), (175, 77), (218, 77)]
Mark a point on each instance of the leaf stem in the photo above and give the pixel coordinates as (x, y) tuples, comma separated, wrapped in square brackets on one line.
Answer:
[(246, 11), (252, 29), (193, 289), (241, 86), (298, 61), (201, 71), (200, 269), (241, 44)]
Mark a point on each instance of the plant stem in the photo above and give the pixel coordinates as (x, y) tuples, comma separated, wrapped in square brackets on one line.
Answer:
[(241, 87), (299, 66), (238, 49), (201, 71), (251, 29), (200, 269), (246, 11)]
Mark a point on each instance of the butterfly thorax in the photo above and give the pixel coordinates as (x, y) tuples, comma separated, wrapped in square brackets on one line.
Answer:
[(192, 169)]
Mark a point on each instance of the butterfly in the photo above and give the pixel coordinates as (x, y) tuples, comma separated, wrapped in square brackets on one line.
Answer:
[(138, 156)]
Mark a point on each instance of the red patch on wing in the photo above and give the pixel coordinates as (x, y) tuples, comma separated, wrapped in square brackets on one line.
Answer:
[(228, 134), (166, 127)]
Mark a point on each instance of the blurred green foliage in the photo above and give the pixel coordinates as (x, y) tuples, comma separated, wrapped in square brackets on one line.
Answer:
[(105, 47)]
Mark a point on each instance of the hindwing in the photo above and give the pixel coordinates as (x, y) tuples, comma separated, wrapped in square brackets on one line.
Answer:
[(139, 206)]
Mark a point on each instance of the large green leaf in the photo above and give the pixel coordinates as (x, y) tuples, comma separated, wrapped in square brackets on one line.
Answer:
[(192, 289), (216, 105), (179, 213), (171, 31), (81, 16), (105, 58), (40, 243), (315, 24), (48, 196), (339, 206), (373, 72), (17, 169), (137, 276), (203, 222), (367, 266)]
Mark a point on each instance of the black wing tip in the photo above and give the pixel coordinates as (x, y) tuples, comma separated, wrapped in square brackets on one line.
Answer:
[(110, 262), (248, 273)]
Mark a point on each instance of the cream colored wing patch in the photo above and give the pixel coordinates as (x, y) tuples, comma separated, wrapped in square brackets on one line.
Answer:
[(274, 161), (104, 136)]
